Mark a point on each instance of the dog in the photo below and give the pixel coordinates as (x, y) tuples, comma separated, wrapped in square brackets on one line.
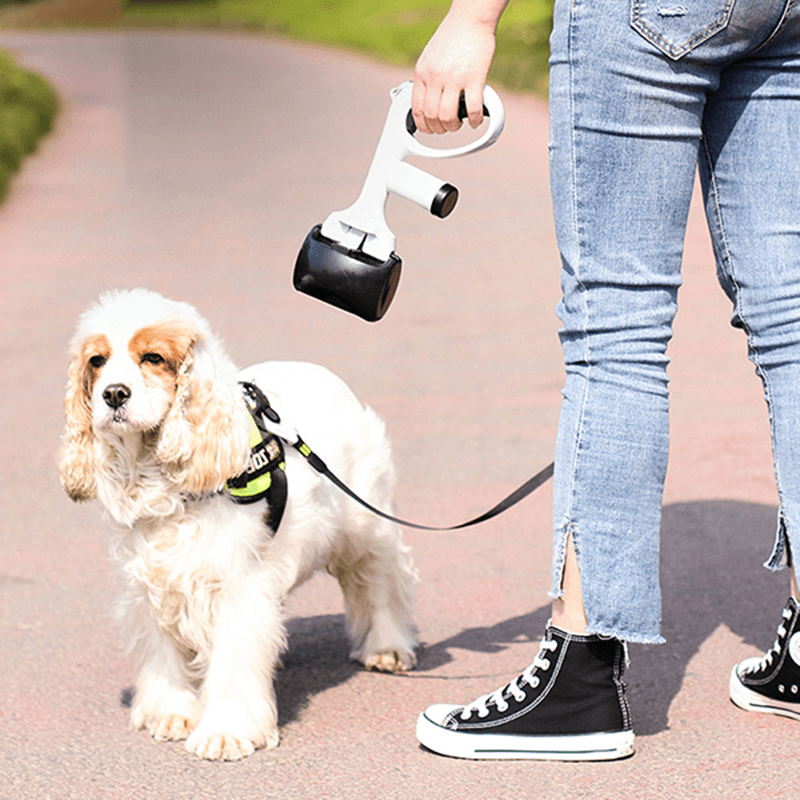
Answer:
[(156, 426)]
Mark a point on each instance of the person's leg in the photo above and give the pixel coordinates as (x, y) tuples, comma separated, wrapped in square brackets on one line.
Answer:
[(628, 91), (751, 181), (625, 132), (750, 174), (625, 127)]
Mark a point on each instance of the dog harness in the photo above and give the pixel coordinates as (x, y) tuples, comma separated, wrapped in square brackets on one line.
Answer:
[(265, 476)]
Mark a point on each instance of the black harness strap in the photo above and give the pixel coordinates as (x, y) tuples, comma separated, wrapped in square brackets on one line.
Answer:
[(265, 477)]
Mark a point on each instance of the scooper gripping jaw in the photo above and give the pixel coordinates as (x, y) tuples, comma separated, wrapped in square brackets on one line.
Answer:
[(348, 279)]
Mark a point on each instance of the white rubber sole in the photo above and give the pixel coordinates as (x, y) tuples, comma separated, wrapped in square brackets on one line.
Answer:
[(753, 701), (495, 746)]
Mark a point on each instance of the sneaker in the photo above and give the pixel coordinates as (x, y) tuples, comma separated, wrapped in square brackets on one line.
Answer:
[(771, 683), (568, 705)]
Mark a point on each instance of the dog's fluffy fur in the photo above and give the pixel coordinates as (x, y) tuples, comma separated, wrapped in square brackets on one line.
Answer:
[(156, 424)]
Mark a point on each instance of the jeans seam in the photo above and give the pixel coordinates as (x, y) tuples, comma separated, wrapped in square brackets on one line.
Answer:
[(567, 525), (752, 349), (579, 282), (781, 555)]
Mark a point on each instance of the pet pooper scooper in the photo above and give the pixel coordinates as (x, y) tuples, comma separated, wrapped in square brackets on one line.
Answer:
[(349, 260)]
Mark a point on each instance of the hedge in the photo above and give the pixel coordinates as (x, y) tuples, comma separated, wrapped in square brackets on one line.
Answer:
[(28, 106)]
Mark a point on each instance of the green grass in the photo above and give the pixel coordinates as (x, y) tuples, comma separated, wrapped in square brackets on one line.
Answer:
[(393, 30), (28, 106)]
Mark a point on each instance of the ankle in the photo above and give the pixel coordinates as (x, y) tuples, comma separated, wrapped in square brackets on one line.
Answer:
[(569, 617)]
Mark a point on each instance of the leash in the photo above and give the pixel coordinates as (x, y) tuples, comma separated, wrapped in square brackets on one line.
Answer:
[(292, 437)]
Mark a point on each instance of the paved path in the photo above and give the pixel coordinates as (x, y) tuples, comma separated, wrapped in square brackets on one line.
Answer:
[(194, 165)]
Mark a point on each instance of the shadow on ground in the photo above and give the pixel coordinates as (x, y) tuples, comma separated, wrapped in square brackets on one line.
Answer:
[(317, 660), (711, 574)]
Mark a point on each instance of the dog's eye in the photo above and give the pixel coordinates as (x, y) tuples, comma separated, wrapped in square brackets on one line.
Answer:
[(97, 361), (152, 358)]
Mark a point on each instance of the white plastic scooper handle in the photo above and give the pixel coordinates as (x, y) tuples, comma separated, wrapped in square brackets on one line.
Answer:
[(363, 226)]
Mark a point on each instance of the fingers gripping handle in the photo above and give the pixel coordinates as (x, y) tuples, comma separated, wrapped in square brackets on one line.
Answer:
[(492, 108), (411, 126)]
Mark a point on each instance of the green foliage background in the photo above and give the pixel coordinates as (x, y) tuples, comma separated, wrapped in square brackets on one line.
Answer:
[(392, 30), (28, 106)]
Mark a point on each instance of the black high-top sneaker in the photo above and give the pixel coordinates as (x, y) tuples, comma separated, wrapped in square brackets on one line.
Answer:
[(771, 683), (568, 705)]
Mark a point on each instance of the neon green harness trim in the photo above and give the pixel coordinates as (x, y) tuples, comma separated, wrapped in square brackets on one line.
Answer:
[(265, 476)]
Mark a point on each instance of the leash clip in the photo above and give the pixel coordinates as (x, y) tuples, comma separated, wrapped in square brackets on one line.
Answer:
[(268, 415)]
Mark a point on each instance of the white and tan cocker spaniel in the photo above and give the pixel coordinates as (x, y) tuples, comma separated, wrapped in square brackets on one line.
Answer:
[(156, 426)]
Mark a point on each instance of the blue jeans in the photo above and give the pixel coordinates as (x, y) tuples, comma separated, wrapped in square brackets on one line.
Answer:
[(643, 92)]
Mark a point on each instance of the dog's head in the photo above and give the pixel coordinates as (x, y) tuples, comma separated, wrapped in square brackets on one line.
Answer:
[(147, 372)]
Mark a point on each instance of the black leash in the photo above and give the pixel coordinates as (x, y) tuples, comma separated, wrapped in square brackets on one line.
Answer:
[(541, 477), (529, 486)]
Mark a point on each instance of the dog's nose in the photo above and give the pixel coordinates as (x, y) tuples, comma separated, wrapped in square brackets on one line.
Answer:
[(116, 395)]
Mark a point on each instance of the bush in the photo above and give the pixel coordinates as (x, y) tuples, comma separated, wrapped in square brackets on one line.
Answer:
[(28, 106)]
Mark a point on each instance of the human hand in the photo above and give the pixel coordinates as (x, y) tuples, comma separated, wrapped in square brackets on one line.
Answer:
[(456, 60)]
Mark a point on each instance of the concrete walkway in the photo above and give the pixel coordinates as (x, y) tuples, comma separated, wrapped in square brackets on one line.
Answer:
[(195, 164)]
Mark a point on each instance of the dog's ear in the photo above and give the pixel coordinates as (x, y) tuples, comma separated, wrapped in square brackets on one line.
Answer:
[(203, 440), (77, 451)]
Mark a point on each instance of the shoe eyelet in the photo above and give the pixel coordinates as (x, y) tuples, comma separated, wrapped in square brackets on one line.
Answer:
[(483, 713), (502, 708), (781, 688), (535, 681), (794, 689)]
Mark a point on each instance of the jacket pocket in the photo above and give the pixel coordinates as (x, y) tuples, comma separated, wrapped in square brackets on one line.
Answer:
[(676, 27)]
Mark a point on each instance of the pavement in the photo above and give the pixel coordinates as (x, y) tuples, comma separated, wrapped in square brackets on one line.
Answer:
[(194, 164)]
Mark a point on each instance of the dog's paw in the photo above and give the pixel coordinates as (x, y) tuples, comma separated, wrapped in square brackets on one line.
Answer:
[(220, 747), (391, 661), (163, 727), (171, 728), (226, 746)]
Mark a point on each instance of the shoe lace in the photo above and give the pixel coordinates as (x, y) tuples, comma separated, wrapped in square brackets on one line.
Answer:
[(766, 660), (528, 676)]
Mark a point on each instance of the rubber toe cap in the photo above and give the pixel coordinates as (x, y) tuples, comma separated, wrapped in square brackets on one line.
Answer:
[(437, 714)]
